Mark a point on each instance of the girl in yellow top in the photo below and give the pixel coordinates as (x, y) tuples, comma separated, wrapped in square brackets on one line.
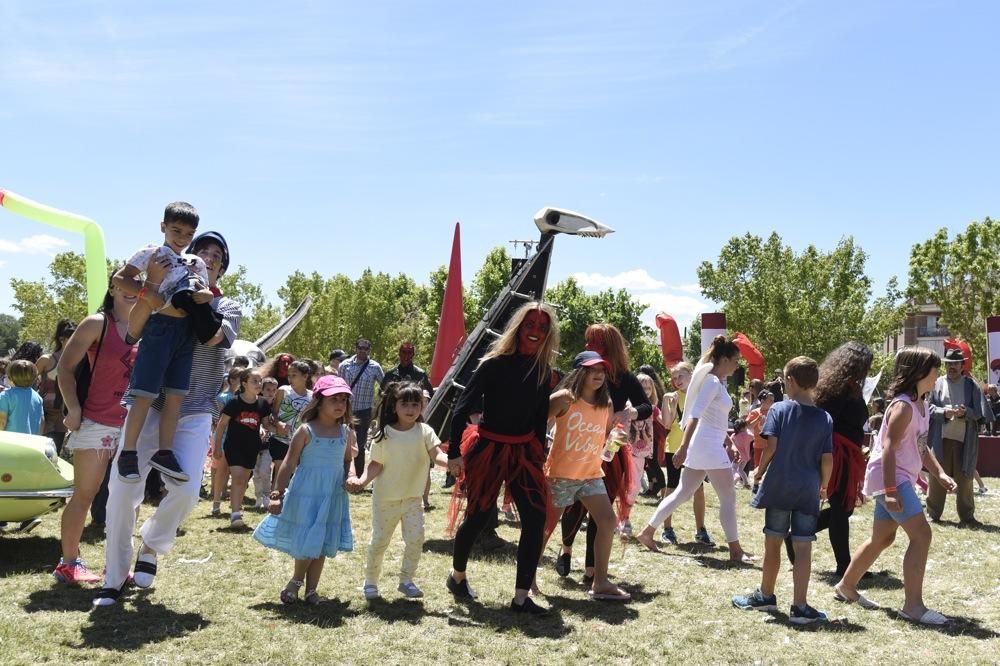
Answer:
[(581, 409), (399, 456), (671, 411)]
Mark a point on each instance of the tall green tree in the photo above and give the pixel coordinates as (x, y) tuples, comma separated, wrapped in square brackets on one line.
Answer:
[(62, 295), (487, 283), (10, 331), (577, 310), (961, 276), (791, 303), (259, 315)]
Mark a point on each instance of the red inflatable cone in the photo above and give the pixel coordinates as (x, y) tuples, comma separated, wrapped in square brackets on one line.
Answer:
[(451, 328)]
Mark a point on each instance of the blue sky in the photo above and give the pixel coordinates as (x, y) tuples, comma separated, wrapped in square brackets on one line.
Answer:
[(336, 136)]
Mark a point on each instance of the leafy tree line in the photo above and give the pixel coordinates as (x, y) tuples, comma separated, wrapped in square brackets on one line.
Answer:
[(384, 308)]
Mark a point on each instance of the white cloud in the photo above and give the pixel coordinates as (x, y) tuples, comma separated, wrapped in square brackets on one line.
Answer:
[(683, 302), (37, 244), (634, 280)]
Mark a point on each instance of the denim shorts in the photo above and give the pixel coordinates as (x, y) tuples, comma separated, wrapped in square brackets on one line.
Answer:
[(567, 491), (164, 358), (909, 502), (782, 522), (93, 435)]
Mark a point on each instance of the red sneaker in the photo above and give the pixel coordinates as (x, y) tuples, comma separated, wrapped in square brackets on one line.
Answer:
[(74, 572)]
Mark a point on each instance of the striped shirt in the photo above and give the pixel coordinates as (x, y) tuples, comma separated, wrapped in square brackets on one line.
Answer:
[(363, 391), (208, 367)]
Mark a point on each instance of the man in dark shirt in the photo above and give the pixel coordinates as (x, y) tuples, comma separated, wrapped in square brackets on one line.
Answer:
[(406, 371)]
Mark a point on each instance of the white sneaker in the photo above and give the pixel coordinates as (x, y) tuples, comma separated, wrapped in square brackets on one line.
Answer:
[(371, 591)]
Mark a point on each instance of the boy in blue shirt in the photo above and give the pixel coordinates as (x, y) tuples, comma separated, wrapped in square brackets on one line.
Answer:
[(21, 405), (796, 466)]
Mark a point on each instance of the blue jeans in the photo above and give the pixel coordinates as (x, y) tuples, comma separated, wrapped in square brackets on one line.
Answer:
[(779, 523), (164, 358)]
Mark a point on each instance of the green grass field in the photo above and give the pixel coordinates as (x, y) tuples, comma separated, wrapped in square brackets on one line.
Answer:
[(226, 610)]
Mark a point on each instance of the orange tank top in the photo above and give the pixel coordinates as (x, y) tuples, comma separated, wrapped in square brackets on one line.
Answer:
[(578, 442)]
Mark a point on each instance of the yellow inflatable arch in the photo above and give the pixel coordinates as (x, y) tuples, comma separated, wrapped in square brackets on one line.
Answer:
[(93, 239)]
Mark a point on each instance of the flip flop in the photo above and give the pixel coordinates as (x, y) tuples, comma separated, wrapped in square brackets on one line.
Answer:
[(931, 617), (610, 596), (862, 600)]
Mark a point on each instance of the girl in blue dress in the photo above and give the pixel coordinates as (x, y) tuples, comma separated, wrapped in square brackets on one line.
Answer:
[(311, 521)]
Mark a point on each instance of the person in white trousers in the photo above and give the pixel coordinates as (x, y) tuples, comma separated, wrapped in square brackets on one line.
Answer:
[(705, 449), (194, 430)]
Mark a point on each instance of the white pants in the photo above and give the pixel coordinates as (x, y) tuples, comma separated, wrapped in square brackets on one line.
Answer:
[(160, 531), (262, 477), (386, 514), (691, 480)]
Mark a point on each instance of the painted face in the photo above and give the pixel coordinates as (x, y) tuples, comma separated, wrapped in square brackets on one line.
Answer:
[(282, 366), (595, 346), (533, 332), (405, 355)]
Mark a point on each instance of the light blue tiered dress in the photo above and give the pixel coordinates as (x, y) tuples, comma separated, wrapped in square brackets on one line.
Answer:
[(314, 519)]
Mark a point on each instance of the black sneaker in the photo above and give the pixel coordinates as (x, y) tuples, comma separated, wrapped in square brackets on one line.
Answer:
[(164, 461), (701, 536), (128, 467), (461, 590), (756, 601), (562, 565), (805, 615), (449, 481), (528, 607)]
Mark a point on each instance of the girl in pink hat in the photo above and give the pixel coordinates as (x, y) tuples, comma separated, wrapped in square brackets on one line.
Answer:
[(309, 516)]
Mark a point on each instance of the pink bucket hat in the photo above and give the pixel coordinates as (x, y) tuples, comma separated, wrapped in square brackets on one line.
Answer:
[(330, 385)]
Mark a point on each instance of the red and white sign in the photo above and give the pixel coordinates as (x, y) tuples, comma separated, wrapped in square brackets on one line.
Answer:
[(993, 349), (712, 324)]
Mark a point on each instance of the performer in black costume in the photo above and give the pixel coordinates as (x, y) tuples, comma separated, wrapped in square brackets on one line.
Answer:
[(513, 382)]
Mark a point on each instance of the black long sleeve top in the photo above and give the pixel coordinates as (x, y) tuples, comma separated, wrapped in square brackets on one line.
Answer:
[(513, 402), (849, 414), (628, 389)]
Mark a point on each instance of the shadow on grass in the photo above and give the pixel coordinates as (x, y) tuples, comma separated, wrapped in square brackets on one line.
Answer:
[(879, 580), (129, 626), (723, 564), (835, 625), (474, 614), (411, 611), (92, 534), (28, 554), (330, 613), (957, 626)]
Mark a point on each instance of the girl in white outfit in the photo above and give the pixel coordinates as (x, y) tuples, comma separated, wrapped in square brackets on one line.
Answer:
[(706, 448)]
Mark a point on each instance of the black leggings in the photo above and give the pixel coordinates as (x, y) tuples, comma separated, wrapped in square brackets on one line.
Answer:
[(529, 546), (571, 520), (835, 518)]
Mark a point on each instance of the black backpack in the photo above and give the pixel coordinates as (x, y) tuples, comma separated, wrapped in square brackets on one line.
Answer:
[(83, 372)]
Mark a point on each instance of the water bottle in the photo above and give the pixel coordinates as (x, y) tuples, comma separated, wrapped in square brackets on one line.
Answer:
[(616, 438)]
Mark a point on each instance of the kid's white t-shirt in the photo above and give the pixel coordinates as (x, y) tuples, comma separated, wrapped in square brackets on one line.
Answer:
[(182, 265), (405, 456)]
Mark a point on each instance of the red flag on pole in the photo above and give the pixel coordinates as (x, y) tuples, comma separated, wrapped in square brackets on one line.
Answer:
[(451, 328)]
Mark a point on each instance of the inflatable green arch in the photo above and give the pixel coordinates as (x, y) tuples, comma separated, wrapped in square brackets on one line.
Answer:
[(93, 239)]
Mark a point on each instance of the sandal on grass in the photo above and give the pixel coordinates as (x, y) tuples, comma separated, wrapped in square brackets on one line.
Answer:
[(290, 594), (862, 600), (615, 594), (931, 617), (312, 598)]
